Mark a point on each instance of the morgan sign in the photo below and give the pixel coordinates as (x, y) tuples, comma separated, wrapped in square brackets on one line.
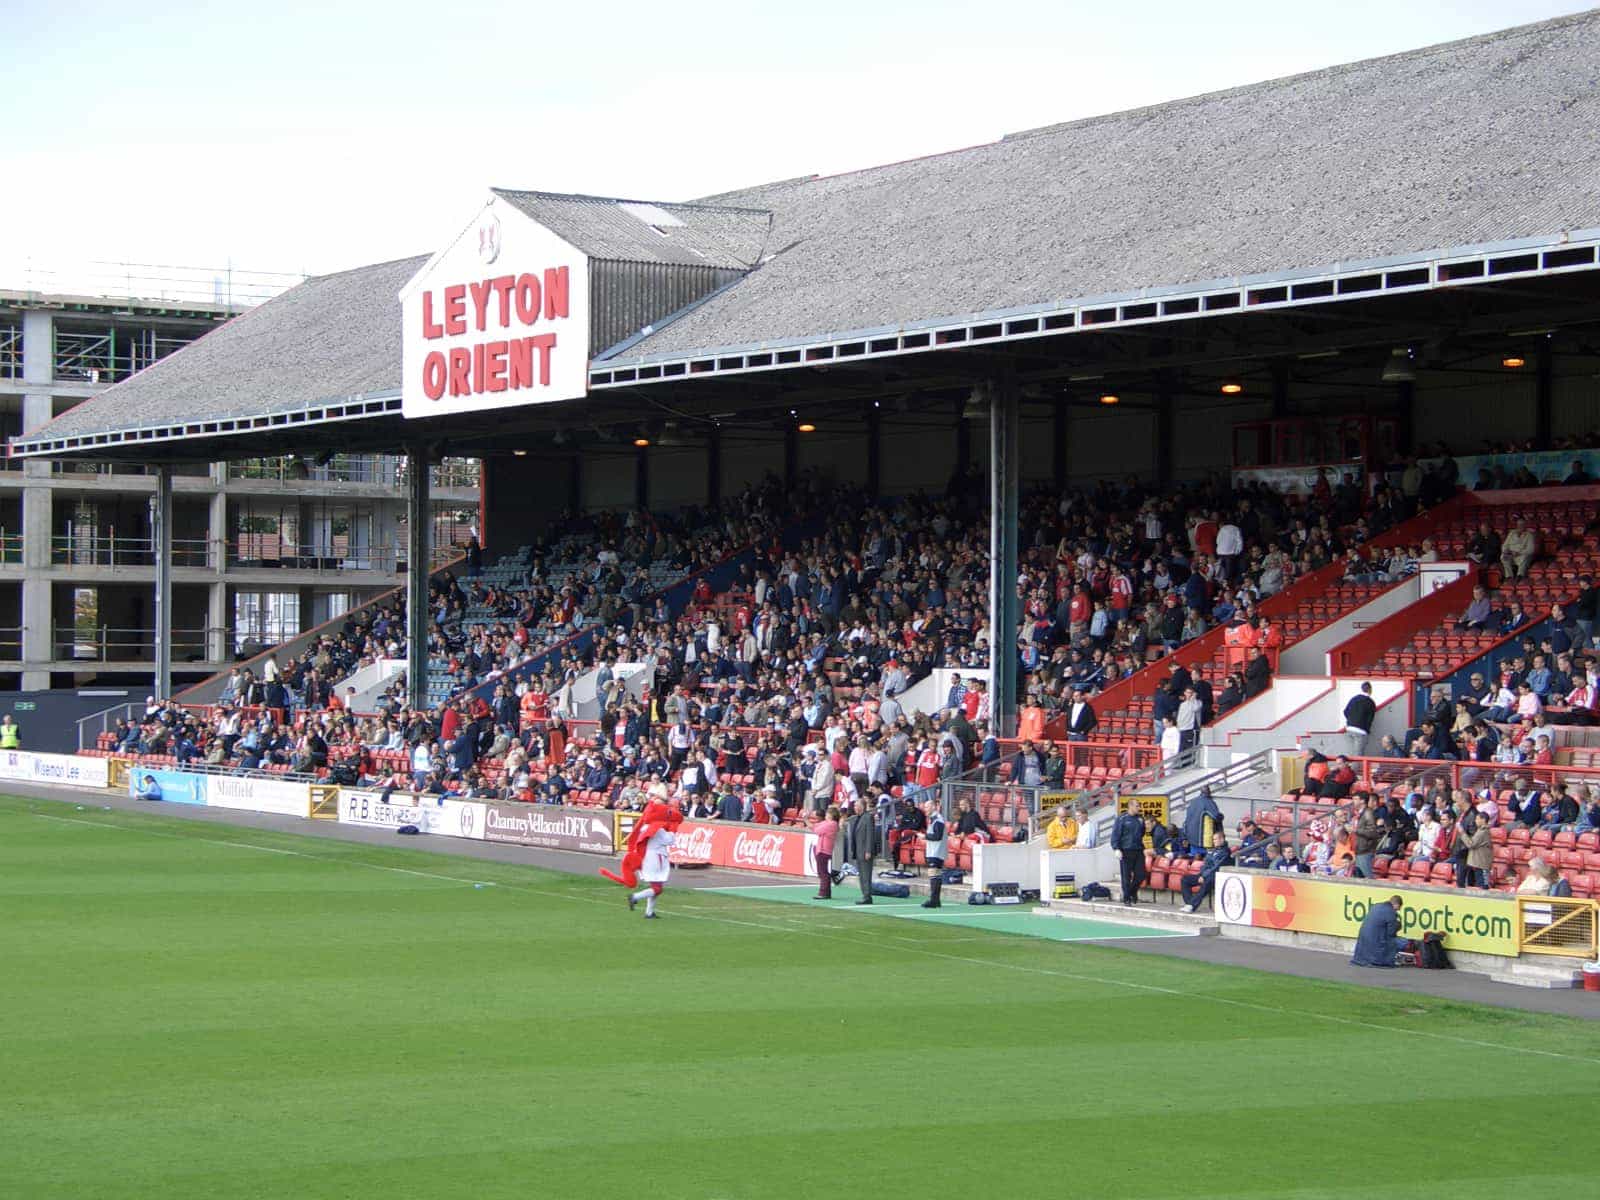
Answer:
[(499, 317)]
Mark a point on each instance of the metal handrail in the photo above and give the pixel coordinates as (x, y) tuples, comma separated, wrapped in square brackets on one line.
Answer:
[(106, 718), (109, 644), (86, 548)]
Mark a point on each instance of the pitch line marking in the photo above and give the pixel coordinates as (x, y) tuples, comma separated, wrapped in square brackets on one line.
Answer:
[(989, 964)]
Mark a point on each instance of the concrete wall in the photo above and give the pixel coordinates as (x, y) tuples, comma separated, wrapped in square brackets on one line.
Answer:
[(1310, 655)]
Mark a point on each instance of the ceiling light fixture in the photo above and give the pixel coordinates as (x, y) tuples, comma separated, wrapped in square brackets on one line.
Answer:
[(1231, 386), (1110, 398), (1400, 368), (641, 441), (1513, 361), (806, 427)]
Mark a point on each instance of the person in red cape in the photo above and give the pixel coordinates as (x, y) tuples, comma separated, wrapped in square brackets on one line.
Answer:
[(646, 856)]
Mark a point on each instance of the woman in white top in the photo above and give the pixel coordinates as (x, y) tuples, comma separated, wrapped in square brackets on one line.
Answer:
[(1427, 836)]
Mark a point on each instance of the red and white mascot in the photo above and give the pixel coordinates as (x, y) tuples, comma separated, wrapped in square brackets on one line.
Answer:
[(647, 855)]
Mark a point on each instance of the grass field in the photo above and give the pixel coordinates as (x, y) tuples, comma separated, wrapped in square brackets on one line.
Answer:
[(197, 1011)]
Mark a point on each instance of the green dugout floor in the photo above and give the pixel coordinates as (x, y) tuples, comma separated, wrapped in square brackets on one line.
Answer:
[(1016, 919)]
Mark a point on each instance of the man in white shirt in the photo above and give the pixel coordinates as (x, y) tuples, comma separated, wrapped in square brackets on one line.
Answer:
[(1189, 711), (1086, 829), (1230, 545), (822, 780)]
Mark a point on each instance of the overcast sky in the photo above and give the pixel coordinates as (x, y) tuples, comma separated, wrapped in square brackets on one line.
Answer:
[(310, 137)]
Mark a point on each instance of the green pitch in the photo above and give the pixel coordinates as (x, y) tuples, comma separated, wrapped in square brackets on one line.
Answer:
[(198, 1011)]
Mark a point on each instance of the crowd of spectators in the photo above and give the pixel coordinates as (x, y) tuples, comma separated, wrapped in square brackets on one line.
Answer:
[(819, 637), (1437, 822)]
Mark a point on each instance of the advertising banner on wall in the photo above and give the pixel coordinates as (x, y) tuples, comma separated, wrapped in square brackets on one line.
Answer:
[(551, 827), (71, 769), (437, 815), (1479, 922), (174, 787), (253, 793), (746, 847), (499, 317)]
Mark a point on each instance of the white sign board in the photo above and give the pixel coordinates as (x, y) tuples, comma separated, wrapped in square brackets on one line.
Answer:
[(498, 318), (449, 818), (70, 769), (250, 793)]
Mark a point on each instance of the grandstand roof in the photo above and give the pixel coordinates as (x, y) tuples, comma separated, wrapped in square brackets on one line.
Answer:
[(1477, 141), (1473, 143), (696, 235)]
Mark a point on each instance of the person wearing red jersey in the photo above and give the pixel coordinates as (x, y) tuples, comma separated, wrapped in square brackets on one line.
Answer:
[(927, 766)]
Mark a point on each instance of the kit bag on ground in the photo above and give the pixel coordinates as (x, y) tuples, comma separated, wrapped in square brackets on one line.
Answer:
[(1094, 891), (891, 891), (1430, 953)]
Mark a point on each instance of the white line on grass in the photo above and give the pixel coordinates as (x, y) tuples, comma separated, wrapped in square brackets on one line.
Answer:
[(989, 964)]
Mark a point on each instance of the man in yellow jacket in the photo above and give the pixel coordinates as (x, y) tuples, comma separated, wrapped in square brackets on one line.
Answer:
[(1062, 832)]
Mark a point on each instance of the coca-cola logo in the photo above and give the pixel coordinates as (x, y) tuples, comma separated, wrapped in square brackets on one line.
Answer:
[(765, 851), (695, 842)]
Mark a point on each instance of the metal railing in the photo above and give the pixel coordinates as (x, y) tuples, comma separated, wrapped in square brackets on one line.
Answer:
[(380, 469), (91, 727), (11, 643), (1562, 925), (104, 643), (11, 548), (255, 551), (384, 470), (93, 548), (1382, 774)]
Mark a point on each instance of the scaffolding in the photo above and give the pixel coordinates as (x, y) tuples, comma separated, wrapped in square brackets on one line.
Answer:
[(109, 353), (10, 350)]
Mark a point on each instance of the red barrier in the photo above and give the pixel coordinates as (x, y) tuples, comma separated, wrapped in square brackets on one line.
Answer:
[(1426, 614), (1143, 682)]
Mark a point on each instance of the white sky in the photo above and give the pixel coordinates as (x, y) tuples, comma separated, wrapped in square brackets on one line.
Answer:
[(310, 137)]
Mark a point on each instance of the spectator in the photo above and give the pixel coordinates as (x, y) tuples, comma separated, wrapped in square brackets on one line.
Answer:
[(1518, 549), (1359, 715), (1378, 942), (1479, 612), (1062, 832), (1196, 887)]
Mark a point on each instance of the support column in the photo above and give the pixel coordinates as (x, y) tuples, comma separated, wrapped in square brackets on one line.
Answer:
[(161, 539), (714, 467), (963, 438), (874, 451), (1164, 426), (575, 485), (1005, 469), (791, 457), (419, 538), (1405, 416), (38, 633), (641, 478), (219, 645), (217, 533), (1062, 418), (1543, 397), (1280, 389)]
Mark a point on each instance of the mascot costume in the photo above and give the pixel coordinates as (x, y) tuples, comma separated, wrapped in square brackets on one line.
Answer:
[(648, 846)]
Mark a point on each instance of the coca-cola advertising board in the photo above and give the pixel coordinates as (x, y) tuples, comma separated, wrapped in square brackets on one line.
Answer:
[(745, 847), (550, 826)]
